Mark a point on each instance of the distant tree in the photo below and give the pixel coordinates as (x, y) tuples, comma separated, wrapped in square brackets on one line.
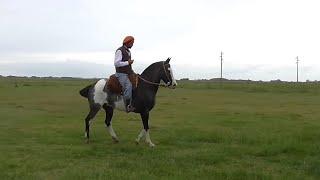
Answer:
[(184, 79)]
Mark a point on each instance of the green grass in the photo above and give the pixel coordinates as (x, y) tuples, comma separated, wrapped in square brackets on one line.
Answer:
[(202, 131)]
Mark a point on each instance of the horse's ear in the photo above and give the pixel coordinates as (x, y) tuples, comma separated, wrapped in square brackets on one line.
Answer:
[(168, 60)]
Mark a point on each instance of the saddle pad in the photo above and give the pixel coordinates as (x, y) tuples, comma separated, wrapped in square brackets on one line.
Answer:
[(114, 86)]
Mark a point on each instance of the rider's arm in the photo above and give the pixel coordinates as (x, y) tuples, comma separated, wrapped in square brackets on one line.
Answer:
[(118, 60)]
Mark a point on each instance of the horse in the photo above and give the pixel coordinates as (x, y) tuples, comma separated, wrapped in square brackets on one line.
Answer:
[(143, 98)]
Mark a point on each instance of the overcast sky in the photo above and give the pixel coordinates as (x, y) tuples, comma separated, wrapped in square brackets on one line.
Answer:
[(260, 39)]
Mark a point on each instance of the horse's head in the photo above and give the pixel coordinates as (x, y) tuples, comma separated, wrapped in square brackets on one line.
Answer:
[(166, 74)]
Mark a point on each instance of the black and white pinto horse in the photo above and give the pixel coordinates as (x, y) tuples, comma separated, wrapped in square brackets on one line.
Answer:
[(143, 98)]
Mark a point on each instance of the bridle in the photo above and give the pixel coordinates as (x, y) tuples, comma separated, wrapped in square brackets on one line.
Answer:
[(158, 84)]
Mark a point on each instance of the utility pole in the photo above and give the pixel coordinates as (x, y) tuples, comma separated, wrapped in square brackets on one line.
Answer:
[(221, 65), (297, 69)]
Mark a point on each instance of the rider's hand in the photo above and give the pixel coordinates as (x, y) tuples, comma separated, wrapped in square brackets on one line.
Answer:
[(130, 61)]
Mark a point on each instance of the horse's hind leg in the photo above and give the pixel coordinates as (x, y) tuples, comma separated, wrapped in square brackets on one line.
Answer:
[(109, 114), (94, 109)]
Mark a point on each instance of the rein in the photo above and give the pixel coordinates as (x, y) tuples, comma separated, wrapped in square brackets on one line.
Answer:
[(153, 83), (156, 84)]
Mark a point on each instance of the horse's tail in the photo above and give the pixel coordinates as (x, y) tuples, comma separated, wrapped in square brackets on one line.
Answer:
[(85, 91)]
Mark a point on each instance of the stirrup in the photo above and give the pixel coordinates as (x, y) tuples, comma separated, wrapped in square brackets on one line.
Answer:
[(130, 108)]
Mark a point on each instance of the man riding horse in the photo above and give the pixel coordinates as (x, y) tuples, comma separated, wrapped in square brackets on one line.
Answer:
[(147, 86), (122, 63), (106, 94)]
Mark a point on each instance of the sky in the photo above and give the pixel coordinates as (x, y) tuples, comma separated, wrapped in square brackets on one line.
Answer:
[(260, 39)]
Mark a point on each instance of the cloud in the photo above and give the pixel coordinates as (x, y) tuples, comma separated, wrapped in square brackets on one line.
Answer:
[(250, 33)]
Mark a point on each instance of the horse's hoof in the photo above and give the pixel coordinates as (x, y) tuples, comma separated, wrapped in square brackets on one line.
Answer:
[(137, 142), (87, 141), (115, 140), (152, 145)]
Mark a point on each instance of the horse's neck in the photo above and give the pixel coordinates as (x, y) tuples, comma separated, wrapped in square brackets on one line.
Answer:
[(151, 76), (148, 86)]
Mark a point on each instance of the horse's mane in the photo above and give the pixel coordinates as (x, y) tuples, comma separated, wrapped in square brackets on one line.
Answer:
[(152, 67)]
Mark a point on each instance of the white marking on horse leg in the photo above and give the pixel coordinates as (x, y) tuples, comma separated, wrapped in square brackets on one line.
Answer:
[(112, 133), (148, 139), (142, 134), (85, 134)]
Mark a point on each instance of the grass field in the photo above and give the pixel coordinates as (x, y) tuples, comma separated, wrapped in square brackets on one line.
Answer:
[(201, 131)]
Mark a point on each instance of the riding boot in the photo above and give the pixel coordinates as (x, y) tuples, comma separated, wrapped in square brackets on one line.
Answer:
[(129, 107)]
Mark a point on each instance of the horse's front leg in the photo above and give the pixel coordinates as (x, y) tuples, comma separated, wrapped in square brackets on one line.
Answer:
[(145, 131), (141, 135)]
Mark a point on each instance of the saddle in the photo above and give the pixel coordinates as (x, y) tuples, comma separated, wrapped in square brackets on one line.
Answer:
[(113, 85)]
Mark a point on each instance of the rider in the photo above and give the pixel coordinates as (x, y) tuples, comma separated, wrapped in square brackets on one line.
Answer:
[(122, 62)]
